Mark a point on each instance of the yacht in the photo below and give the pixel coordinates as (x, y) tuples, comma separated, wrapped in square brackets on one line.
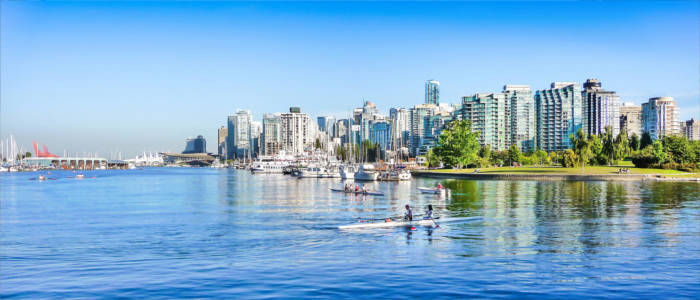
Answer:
[(318, 172), (268, 165), (366, 173), (347, 171)]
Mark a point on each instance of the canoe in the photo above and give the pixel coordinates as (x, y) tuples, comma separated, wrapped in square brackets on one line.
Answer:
[(420, 222), (373, 193)]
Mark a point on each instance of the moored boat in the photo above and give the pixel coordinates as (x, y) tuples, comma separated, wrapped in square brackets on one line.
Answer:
[(366, 173)]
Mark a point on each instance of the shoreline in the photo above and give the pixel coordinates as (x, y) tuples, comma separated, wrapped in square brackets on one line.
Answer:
[(553, 176)]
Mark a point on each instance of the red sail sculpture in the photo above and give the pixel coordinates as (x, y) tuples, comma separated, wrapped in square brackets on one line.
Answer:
[(44, 153)]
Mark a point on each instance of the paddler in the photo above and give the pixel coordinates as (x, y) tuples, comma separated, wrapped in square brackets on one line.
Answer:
[(439, 186), (409, 213), (429, 214)]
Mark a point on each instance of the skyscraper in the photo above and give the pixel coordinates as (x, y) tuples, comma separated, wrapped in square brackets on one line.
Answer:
[(631, 118), (400, 127), (432, 92), (238, 143), (195, 145), (296, 131), (221, 147), (660, 117), (271, 139), (601, 108), (520, 117), (558, 113), (487, 113), (419, 115), (381, 134), (691, 129)]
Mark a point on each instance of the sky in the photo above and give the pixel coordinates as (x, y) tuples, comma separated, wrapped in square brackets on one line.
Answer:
[(107, 77)]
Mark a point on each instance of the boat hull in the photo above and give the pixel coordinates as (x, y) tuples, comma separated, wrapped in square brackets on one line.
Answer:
[(421, 222)]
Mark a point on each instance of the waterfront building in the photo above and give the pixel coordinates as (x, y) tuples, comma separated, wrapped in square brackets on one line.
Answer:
[(255, 137), (271, 138), (369, 114), (600, 108), (238, 144), (381, 134), (221, 142), (520, 117), (487, 113), (342, 130), (558, 115), (195, 145), (419, 114), (660, 117), (631, 118), (325, 124), (691, 129), (296, 131), (432, 92)]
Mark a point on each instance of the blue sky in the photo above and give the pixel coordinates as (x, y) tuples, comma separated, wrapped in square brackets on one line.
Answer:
[(133, 76)]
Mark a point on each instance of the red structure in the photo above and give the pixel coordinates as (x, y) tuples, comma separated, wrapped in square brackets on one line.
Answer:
[(44, 153)]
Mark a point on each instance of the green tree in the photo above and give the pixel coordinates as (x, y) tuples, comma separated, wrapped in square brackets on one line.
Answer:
[(458, 146), (317, 144), (28, 154), (433, 160), (596, 146), (514, 155), (485, 152), (658, 150), (677, 148), (569, 159), (634, 142), (582, 147), (554, 157), (645, 141), (542, 158), (621, 148), (608, 150)]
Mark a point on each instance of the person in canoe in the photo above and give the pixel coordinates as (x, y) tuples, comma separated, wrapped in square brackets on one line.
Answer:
[(409, 213), (429, 213), (439, 186)]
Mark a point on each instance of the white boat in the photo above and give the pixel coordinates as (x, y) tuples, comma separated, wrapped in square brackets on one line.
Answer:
[(318, 172), (373, 193), (268, 166), (419, 222), (366, 173), (404, 175), (347, 171)]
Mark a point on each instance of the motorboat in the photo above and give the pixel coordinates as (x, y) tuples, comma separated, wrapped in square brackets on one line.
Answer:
[(366, 172), (268, 166), (347, 171), (318, 172)]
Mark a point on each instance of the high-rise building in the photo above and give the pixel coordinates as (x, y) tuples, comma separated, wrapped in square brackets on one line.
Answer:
[(255, 137), (487, 113), (601, 108), (297, 131), (222, 134), (419, 115), (558, 115), (325, 124), (432, 92), (195, 145), (520, 117), (691, 129), (631, 118), (400, 127), (238, 144), (660, 117), (369, 114), (271, 138), (381, 134)]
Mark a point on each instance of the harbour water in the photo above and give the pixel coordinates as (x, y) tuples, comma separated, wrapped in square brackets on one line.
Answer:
[(187, 232)]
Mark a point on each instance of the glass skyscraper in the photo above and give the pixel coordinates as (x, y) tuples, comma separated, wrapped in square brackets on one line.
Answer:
[(432, 92), (558, 112)]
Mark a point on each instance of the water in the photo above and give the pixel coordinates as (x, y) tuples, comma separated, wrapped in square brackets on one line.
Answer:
[(229, 234)]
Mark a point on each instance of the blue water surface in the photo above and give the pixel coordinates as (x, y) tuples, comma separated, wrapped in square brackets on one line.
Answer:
[(197, 232)]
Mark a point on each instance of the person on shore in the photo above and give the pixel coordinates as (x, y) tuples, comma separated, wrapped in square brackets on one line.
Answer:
[(409, 213), (429, 213)]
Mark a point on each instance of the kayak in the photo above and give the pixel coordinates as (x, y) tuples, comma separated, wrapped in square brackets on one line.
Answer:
[(421, 222), (373, 193), (426, 190)]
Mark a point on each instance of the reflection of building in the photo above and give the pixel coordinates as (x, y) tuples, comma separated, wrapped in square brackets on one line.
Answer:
[(223, 133), (195, 145), (691, 129), (660, 117), (631, 118), (600, 108), (558, 111), (432, 92)]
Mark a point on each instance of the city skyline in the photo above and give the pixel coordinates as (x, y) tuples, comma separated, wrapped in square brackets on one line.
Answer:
[(155, 105)]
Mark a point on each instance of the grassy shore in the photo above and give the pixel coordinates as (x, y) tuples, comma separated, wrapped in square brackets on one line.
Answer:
[(592, 170)]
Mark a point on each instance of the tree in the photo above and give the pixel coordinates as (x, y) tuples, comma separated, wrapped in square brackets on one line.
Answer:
[(677, 148), (569, 159), (554, 157), (433, 160), (542, 157), (317, 144), (658, 150), (28, 154), (596, 146), (608, 150), (514, 155), (621, 148), (582, 147), (646, 140), (634, 142), (458, 146), (485, 152)]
